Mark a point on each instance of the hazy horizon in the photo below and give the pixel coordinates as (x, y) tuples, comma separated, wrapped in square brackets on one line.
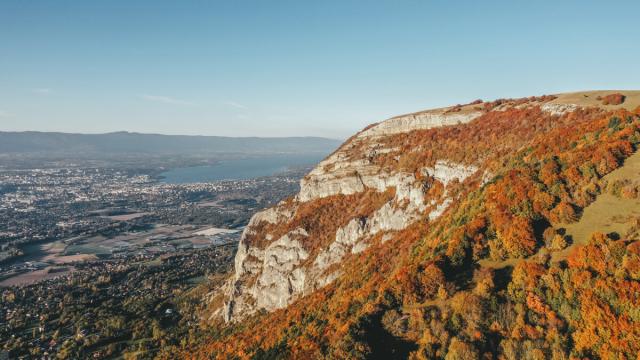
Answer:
[(164, 134), (293, 69)]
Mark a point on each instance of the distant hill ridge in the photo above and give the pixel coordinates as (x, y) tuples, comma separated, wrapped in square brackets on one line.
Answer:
[(30, 142)]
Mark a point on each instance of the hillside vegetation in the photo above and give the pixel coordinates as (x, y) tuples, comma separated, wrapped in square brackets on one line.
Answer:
[(533, 254)]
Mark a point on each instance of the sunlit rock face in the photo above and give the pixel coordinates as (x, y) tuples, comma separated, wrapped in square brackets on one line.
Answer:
[(272, 276), (418, 121), (558, 109), (280, 260)]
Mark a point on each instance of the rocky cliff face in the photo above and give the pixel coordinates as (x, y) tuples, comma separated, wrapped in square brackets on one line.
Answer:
[(381, 181), (274, 268), (453, 232)]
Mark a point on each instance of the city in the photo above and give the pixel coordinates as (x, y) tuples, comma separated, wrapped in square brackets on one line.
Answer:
[(101, 261), (59, 216)]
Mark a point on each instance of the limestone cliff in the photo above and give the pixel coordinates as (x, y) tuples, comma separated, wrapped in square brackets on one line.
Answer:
[(272, 270), (377, 183)]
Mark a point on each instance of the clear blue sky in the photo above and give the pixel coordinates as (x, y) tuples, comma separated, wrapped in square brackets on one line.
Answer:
[(274, 68)]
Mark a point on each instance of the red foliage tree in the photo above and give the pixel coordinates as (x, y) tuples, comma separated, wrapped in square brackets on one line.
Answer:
[(613, 99)]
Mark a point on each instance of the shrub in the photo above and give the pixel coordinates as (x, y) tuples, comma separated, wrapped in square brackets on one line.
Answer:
[(558, 242), (459, 349), (629, 192), (613, 99), (563, 213)]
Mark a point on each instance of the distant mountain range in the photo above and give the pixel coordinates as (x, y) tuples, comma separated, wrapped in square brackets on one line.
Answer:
[(39, 143)]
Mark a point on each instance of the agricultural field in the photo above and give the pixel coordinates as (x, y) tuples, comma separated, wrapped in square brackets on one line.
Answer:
[(50, 260)]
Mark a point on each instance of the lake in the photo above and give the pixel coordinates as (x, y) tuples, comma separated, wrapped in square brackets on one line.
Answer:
[(240, 169)]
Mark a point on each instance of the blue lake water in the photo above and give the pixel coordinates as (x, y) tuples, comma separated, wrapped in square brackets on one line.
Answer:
[(239, 169)]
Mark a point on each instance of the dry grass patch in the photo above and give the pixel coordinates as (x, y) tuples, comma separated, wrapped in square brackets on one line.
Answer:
[(608, 213)]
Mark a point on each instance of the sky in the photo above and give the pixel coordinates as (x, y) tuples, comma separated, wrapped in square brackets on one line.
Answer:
[(295, 68)]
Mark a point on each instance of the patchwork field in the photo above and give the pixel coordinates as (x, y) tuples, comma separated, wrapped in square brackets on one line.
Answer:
[(48, 260), (127, 217), (31, 277)]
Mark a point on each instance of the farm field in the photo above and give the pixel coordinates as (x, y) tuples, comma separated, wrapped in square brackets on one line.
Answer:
[(50, 260)]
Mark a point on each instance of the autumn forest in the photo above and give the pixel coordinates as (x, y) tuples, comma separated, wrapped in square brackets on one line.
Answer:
[(498, 276)]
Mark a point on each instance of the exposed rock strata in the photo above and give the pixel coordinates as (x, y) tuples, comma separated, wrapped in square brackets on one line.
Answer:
[(558, 109), (418, 121), (272, 277), (279, 260)]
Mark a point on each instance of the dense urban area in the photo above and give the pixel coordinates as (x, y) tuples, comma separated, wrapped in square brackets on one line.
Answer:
[(99, 261)]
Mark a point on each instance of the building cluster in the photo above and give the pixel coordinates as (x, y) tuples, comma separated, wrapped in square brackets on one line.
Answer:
[(40, 205)]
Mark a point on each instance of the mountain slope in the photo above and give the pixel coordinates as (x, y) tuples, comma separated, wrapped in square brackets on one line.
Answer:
[(386, 250)]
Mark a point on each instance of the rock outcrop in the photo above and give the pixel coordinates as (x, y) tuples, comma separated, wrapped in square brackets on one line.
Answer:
[(300, 245), (417, 121), (271, 272)]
